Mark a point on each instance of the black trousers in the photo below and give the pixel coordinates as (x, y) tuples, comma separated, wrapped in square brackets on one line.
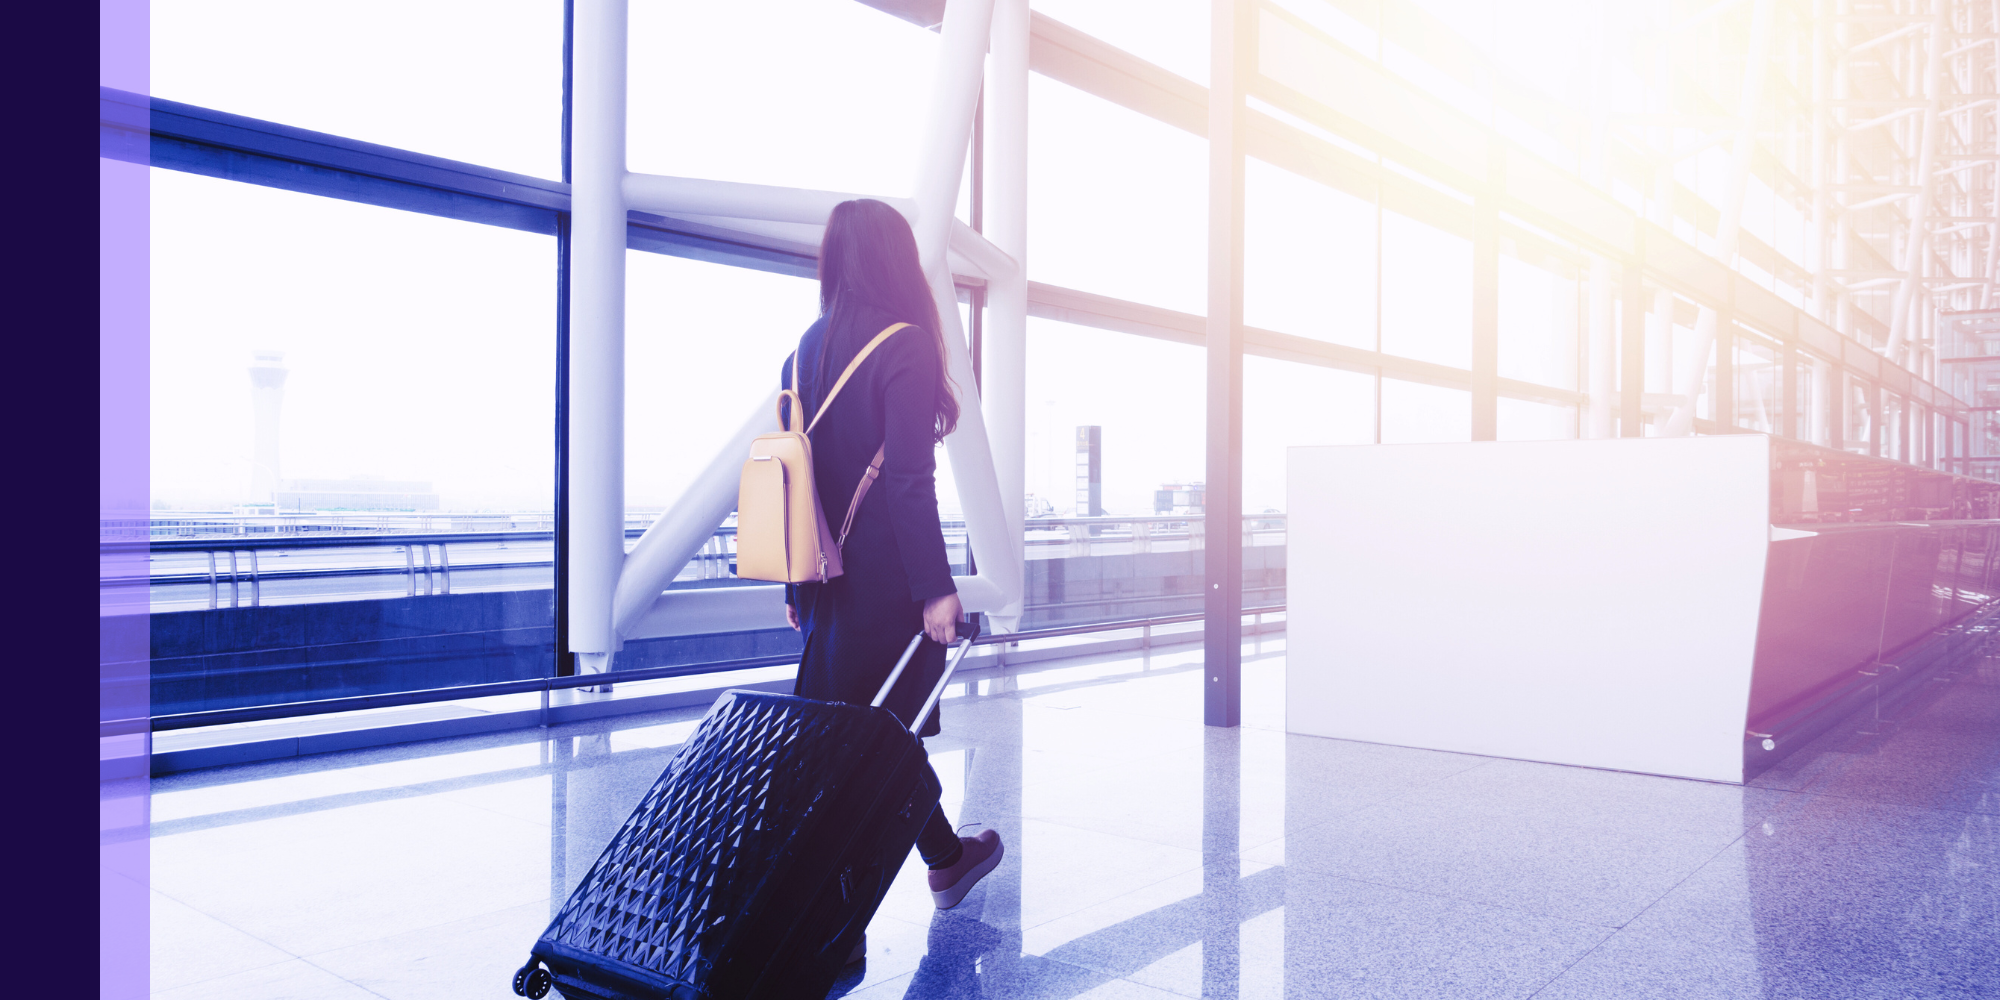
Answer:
[(937, 842)]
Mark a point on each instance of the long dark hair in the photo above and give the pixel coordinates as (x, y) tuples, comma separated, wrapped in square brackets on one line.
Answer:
[(869, 259)]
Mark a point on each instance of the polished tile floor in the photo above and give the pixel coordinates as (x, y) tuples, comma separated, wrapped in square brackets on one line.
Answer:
[(1152, 857)]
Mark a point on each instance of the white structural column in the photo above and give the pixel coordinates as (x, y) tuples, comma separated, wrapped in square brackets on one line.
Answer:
[(596, 328), (614, 597), (1916, 245), (1006, 348), (940, 165), (1730, 227)]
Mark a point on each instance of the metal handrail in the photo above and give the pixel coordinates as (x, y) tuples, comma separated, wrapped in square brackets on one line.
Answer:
[(395, 699), (331, 540), (365, 539)]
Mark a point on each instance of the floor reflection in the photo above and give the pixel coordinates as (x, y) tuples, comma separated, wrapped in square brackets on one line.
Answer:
[(1907, 808), (1149, 856)]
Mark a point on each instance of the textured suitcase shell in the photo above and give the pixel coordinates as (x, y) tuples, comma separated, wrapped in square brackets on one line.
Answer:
[(755, 862)]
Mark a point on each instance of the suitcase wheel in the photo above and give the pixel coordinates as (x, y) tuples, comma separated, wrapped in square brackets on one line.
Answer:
[(538, 984), (527, 977)]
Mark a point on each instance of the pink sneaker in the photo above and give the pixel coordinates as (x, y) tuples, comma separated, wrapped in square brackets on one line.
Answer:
[(980, 855)]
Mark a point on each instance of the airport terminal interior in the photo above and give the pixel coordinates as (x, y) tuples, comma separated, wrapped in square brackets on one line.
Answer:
[(1457, 498)]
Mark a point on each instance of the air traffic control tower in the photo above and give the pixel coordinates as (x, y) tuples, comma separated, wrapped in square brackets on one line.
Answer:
[(267, 395)]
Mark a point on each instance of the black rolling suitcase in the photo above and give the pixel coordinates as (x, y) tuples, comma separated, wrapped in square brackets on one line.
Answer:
[(755, 863)]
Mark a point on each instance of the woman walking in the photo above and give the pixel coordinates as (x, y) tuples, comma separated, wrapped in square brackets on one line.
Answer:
[(897, 578)]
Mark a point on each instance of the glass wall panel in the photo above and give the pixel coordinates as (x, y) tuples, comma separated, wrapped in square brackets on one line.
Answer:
[(1144, 397), (1539, 313), (341, 396), (1893, 445), (1684, 348), (801, 93), (1117, 201), (1758, 402), (1662, 333), (1527, 420), (703, 347), (1286, 405), (480, 84), (1426, 292), (1920, 427), (1815, 404), (1146, 394), (1858, 433), (1170, 34), (1413, 412), (1308, 258), (1343, 27)]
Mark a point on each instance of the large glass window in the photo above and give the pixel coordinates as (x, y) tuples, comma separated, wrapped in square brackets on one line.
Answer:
[(1413, 412), (1120, 419), (1816, 400), (1684, 347), (352, 448), (477, 83), (1893, 444), (703, 347), (1287, 405), (1170, 34), (1117, 201), (1309, 261), (1538, 323), (715, 93), (1858, 434), (1527, 420), (1758, 384), (1426, 292), (1146, 395), (1920, 426)]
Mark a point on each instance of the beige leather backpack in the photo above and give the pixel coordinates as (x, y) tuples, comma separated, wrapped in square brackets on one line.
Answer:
[(781, 532)]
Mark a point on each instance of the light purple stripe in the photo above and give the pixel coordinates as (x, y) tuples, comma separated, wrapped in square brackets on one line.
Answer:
[(124, 669)]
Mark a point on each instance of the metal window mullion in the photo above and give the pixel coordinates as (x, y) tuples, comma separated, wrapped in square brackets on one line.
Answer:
[(1232, 55)]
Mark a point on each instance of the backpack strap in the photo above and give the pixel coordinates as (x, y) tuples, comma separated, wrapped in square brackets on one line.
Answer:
[(797, 412), (868, 477), (852, 366), (874, 470)]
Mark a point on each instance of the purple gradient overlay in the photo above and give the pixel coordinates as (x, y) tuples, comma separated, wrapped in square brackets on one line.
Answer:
[(124, 670)]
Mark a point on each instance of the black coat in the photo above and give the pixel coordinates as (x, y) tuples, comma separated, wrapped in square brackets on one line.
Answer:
[(857, 624)]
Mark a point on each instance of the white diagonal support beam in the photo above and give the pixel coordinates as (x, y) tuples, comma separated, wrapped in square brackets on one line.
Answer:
[(613, 596)]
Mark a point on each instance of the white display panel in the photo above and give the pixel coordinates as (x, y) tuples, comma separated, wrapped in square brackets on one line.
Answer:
[(1576, 602)]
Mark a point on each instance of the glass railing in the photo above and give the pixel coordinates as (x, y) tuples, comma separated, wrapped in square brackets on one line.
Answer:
[(268, 609)]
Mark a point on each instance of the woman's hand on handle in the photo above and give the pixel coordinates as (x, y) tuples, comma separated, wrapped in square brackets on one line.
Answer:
[(941, 619)]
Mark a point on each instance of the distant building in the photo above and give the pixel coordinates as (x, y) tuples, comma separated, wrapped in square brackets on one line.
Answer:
[(267, 400), (1180, 498), (356, 494), (1090, 472)]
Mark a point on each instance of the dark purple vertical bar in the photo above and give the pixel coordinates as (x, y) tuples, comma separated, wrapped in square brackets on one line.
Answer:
[(124, 669)]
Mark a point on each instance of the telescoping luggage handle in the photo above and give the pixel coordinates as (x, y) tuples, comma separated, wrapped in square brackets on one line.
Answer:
[(967, 632)]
